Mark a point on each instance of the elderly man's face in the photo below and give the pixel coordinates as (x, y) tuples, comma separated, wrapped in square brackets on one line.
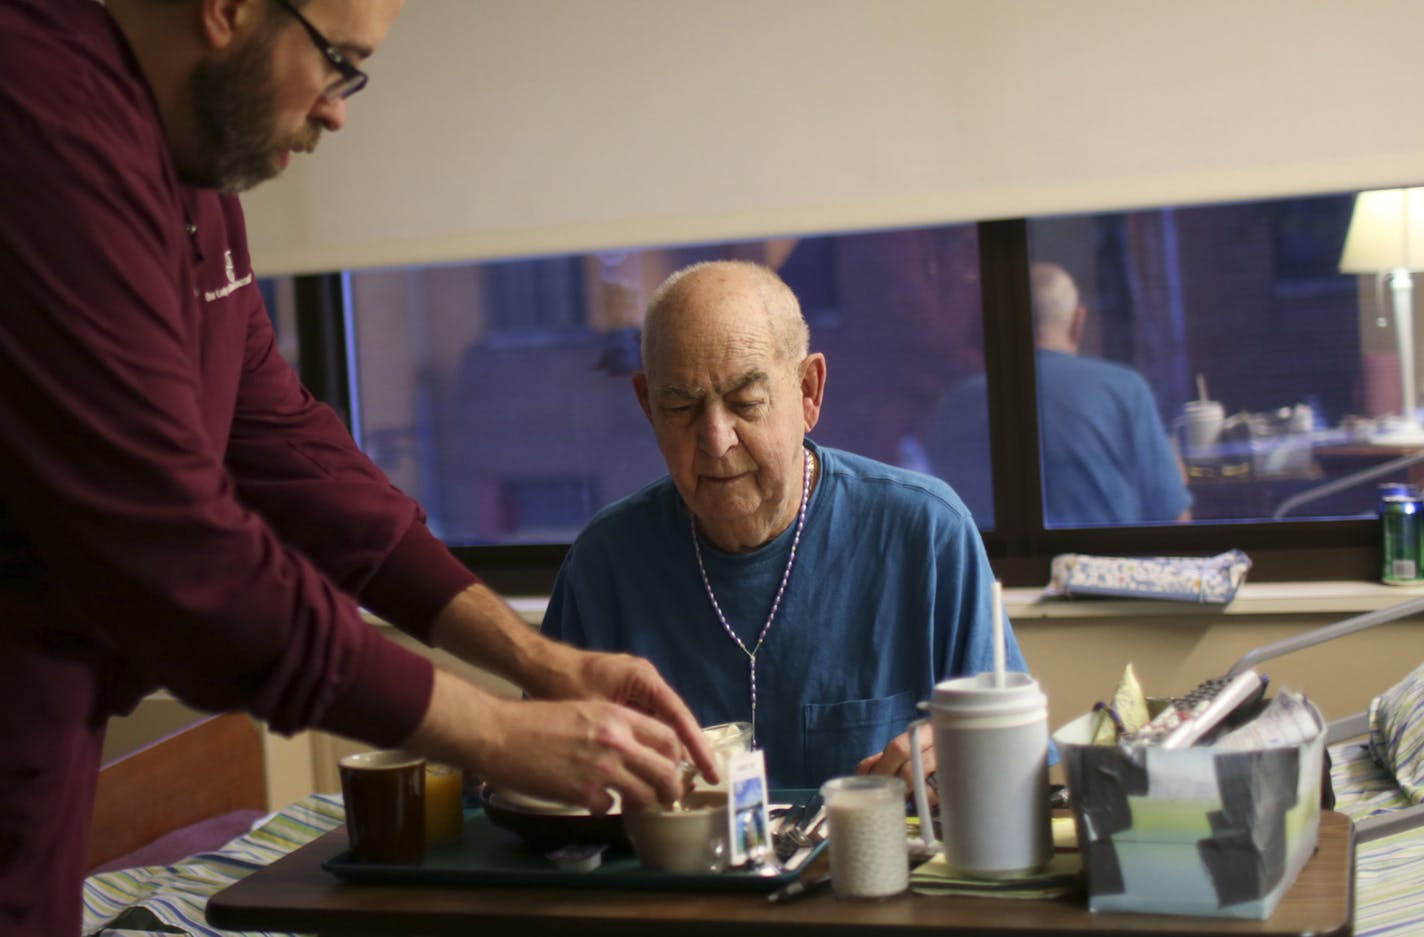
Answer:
[(729, 416), (261, 99)]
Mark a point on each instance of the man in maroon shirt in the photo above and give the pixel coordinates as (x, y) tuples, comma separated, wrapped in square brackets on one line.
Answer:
[(175, 509)]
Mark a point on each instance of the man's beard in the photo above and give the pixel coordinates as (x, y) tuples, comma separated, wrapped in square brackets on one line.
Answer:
[(234, 114)]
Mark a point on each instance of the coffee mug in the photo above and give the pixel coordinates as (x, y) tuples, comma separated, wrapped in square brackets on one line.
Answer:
[(691, 837), (384, 792), (991, 747)]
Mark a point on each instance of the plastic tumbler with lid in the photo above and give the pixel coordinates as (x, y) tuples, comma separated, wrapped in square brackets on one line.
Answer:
[(991, 742)]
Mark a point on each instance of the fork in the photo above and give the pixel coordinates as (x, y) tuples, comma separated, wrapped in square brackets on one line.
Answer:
[(806, 832), (812, 831)]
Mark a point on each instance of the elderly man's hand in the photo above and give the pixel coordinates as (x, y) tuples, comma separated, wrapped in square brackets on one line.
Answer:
[(895, 759)]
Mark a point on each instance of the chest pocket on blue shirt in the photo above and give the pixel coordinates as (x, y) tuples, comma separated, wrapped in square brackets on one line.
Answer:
[(839, 735)]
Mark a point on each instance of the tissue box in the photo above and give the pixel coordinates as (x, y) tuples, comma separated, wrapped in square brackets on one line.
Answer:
[(1194, 830)]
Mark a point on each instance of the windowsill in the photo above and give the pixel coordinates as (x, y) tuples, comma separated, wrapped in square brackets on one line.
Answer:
[(1343, 598), (1268, 598)]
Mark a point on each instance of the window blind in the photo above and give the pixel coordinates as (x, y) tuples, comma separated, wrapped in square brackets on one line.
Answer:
[(496, 128)]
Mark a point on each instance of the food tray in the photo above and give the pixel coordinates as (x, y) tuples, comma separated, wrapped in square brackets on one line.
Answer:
[(489, 855)]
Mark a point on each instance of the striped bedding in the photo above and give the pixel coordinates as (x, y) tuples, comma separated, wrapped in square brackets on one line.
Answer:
[(148, 900), (1389, 871)]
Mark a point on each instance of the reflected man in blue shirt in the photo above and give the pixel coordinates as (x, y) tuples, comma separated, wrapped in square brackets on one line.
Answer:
[(1107, 459)]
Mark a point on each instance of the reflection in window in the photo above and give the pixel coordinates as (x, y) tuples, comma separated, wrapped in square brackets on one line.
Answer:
[(1251, 339), (1107, 460), (1218, 344)]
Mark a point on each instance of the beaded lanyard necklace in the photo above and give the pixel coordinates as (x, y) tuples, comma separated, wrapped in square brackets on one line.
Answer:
[(776, 603)]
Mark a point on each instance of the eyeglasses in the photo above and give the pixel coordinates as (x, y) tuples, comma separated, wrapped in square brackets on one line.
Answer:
[(352, 78)]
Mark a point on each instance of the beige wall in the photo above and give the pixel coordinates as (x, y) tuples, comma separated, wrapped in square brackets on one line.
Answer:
[(1079, 661), (296, 765), (1077, 650)]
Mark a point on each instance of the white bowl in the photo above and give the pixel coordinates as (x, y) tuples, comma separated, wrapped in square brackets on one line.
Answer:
[(546, 825), (690, 839)]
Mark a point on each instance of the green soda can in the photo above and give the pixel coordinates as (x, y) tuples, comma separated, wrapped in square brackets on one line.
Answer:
[(1400, 532)]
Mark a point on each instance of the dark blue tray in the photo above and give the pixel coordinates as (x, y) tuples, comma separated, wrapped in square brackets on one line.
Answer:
[(489, 855)]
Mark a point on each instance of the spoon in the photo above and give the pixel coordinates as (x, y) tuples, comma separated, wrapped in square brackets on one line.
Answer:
[(689, 774)]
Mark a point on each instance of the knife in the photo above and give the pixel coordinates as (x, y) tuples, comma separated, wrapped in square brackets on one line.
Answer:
[(789, 818)]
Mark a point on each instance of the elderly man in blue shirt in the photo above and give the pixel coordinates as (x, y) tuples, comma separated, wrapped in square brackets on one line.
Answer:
[(815, 593)]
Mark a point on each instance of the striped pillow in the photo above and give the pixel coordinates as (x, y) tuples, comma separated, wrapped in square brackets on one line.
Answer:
[(1397, 733)]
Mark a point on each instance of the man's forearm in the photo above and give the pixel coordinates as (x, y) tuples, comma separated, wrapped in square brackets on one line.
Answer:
[(458, 726), (480, 628)]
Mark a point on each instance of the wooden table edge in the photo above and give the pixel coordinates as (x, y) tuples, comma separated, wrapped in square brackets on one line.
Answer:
[(296, 894)]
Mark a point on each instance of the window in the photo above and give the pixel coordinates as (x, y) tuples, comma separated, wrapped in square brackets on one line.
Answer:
[(1238, 311), (498, 393), (279, 296)]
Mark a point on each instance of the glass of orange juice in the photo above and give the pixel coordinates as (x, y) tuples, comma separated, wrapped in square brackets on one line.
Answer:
[(444, 804)]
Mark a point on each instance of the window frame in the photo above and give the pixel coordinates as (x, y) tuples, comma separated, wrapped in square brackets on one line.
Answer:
[(1020, 549)]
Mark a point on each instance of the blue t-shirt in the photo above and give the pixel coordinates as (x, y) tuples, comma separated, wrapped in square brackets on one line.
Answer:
[(1106, 456), (891, 592)]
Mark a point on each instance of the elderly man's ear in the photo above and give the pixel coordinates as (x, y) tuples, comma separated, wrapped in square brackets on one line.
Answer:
[(640, 387), (813, 388), (1079, 324)]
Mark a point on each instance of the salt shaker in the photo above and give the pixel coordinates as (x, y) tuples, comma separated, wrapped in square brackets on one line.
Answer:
[(869, 855)]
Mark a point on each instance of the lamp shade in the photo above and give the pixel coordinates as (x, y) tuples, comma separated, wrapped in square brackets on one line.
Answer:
[(1386, 232)]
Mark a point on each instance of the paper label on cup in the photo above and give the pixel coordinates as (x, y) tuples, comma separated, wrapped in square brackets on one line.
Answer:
[(749, 829)]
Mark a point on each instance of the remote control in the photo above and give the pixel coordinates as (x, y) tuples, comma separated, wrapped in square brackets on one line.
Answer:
[(1187, 719)]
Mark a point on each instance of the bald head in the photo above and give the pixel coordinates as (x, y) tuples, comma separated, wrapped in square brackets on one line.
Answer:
[(1057, 312), (731, 390), (751, 293)]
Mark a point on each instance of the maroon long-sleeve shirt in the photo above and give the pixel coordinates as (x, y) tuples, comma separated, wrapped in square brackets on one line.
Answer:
[(175, 509)]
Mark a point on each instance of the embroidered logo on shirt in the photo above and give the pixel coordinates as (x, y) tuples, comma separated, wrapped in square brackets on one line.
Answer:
[(233, 283)]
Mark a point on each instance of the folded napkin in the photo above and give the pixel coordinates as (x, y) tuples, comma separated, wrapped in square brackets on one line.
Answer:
[(1060, 877), (1209, 579)]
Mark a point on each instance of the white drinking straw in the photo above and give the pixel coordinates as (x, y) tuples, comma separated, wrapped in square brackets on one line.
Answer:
[(1201, 387), (998, 633)]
